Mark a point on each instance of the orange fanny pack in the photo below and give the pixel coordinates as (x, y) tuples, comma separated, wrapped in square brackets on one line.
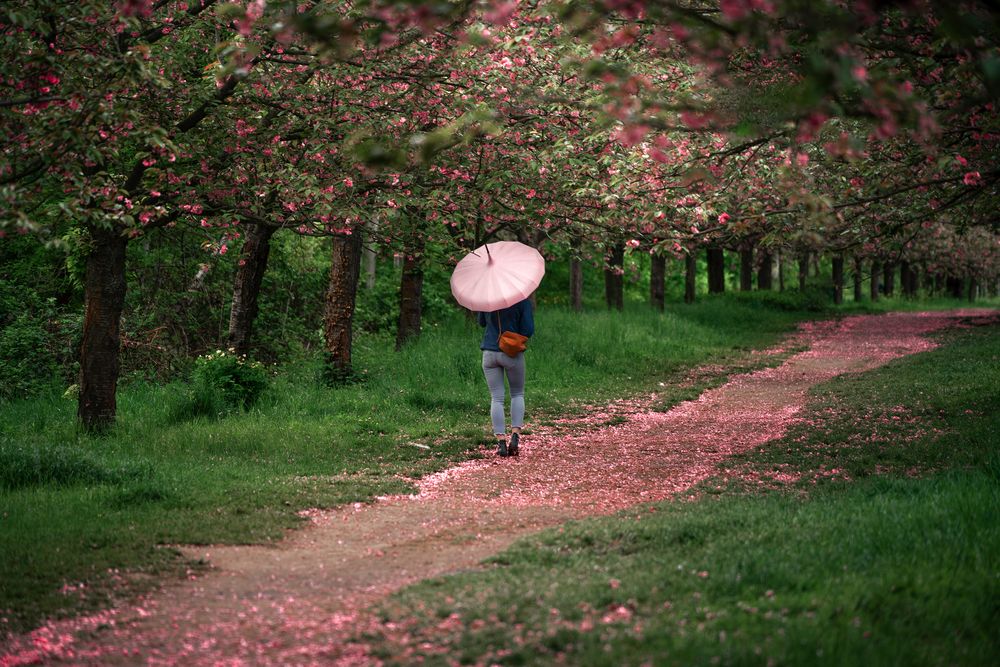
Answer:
[(510, 342)]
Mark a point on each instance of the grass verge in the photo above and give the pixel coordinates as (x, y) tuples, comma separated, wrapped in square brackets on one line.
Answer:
[(892, 559), (86, 520)]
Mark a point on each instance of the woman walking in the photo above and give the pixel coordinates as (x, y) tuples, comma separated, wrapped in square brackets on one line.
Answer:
[(496, 365)]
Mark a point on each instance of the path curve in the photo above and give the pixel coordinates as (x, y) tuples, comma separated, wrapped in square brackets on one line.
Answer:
[(296, 603)]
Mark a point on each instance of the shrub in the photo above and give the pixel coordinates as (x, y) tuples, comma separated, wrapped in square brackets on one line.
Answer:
[(27, 364), (224, 381), (38, 342), (813, 298)]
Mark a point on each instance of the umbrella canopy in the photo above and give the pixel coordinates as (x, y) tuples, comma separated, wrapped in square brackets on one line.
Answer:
[(497, 275)]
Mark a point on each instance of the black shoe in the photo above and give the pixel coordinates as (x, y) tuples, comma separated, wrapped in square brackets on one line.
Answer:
[(502, 447), (514, 441)]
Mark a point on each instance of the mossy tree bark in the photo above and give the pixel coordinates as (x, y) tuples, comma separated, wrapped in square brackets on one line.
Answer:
[(104, 290), (338, 316), (411, 286), (246, 286)]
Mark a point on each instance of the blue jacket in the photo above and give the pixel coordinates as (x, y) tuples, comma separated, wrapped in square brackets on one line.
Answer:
[(517, 318)]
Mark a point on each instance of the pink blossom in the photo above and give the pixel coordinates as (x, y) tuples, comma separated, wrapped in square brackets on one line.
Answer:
[(348, 182), (734, 10), (135, 8), (658, 156), (724, 218), (500, 15), (810, 125), (632, 243), (961, 160), (972, 178), (694, 120), (631, 134)]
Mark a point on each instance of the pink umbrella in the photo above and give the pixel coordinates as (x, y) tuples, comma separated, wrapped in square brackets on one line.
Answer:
[(497, 275)]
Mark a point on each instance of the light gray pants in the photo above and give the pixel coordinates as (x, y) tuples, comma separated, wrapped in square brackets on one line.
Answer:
[(495, 365)]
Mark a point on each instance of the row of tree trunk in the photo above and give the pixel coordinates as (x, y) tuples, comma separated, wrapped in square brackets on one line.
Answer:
[(105, 297), (105, 286), (882, 277)]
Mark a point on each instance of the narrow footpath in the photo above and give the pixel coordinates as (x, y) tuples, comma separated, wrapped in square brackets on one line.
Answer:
[(301, 601)]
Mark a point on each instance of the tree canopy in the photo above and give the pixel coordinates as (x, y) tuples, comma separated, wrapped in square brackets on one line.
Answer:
[(843, 127)]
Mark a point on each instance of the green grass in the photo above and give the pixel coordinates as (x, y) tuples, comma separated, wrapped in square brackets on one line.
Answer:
[(104, 510), (915, 416), (895, 568)]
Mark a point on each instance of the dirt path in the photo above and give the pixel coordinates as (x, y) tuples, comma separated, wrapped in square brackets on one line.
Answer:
[(298, 602)]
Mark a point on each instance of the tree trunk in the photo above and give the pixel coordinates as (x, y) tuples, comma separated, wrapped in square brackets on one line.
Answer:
[(912, 281), (183, 304), (411, 287), (803, 270), (838, 279), (371, 265), (690, 273), (370, 258), (576, 284), (954, 286), (614, 278), (973, 287), (657, 279), (104, 292), (246, 287), (889, 279), (927, 282), (765, 272), (746, 268), (575, 277), (876, 274), (781, 270), (716, 270), (338, 316), (857, 280)]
